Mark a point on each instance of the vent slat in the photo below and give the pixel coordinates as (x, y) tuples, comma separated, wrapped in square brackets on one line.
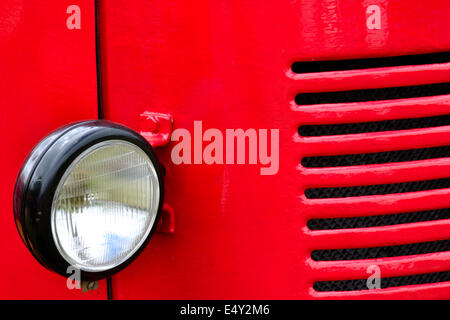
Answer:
[(380, 189), (368, 95), (378, 221), (368, 63), (376, 157), (381, 252), (373, 142), (361, 284), (376, 126)]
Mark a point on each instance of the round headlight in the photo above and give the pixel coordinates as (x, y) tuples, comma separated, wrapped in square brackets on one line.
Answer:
[(88, 196)]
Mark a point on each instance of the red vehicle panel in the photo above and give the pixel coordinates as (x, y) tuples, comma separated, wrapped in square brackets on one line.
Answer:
[(179, 69), (47, 79), (240, 234)]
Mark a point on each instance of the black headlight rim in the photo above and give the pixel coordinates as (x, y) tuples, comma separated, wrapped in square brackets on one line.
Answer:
[(37, 194)]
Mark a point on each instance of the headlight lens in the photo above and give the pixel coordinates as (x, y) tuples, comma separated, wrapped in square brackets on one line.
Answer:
[(105, 205)]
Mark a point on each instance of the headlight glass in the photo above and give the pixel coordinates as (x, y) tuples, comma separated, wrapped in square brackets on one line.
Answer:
[(105, 205)]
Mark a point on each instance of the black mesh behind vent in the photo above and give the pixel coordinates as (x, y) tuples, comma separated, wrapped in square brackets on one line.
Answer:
[(361, 284), (376, 157), (381, 252), (353, 64), (378, 221), (376, 126), (378, 189), (378, 94)]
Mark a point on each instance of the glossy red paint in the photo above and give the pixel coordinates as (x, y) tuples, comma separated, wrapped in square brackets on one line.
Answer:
[(47, 79), (227, 63)]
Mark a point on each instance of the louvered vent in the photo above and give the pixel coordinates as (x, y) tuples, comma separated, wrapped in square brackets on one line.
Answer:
[(375, 165)]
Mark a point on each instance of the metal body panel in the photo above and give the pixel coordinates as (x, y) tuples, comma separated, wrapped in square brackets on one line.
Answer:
[(227, 63), (239, 234), (47, 79)]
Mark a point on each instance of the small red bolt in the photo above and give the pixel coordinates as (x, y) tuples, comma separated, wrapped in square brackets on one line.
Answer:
[(149, 124), (153, 124)]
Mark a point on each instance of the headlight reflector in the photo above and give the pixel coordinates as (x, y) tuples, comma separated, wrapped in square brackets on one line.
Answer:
[(105, 205)]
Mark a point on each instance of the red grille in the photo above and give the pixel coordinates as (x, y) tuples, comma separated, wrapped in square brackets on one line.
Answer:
[(416, 183)]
